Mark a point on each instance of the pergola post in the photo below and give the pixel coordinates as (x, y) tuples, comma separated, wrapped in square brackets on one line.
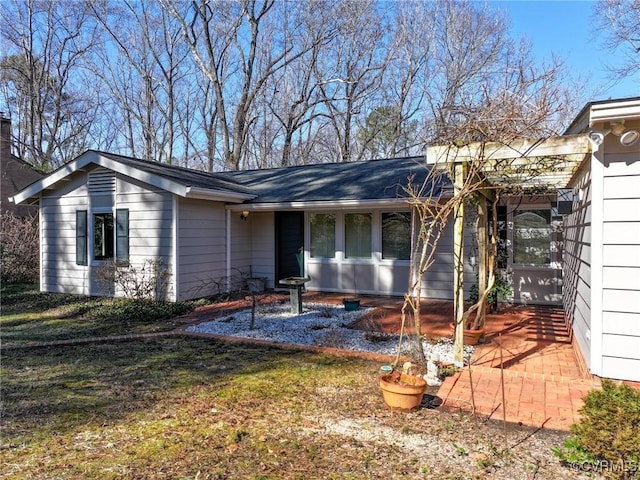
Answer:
[(458, 265), (483, 245)]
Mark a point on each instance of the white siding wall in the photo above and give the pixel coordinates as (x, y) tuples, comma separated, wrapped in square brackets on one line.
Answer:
[(577, 263), (201, 248), (150, 232), (59, 272), (620, 344), (150, 225)]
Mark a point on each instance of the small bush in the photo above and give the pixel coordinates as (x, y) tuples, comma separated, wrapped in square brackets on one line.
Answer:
[(138, 310), (607, 438), (19, 249)]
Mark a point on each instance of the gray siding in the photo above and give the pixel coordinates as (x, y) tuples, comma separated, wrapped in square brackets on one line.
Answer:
[(621, 261), (263, 238), (150, 233), (379, 276), (577, 263), (150, 226), (201, 248)]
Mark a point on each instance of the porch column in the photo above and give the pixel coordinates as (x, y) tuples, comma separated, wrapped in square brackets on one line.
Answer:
[(458, 265)]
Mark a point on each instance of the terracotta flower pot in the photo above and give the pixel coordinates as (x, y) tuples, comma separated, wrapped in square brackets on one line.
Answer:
[(402, 392), (470, 337)]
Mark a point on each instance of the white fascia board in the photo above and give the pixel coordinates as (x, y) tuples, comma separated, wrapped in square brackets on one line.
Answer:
[(217, 195), (604, 112), (91, 157), (319, 205), (47, 182)]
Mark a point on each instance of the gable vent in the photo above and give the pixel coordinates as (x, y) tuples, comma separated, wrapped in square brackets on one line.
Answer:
[(102, 181)]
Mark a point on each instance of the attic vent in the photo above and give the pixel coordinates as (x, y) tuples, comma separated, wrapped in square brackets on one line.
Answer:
[(102, 181)]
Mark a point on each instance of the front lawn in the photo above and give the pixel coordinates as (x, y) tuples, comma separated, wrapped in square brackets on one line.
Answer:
[(27, 315), (181, 407), (189, 408)]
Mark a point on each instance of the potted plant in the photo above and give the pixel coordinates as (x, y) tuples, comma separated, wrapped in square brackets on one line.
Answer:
[(401, 391)]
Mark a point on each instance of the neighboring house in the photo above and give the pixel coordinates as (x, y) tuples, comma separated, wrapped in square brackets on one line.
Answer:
[(349, 223), (15, 174)]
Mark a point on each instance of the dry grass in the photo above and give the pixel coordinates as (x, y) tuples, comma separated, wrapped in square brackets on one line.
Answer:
[(193, 408)]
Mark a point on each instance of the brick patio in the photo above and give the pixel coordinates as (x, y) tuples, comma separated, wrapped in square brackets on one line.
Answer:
[(544, 377)]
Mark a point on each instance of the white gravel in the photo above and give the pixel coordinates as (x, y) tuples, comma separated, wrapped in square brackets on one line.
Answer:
[(320, 324)]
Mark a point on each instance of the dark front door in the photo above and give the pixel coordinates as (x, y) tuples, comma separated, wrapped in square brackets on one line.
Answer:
[(289, 244)]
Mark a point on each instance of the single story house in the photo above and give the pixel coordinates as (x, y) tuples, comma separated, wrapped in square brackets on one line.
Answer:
[(346, 226)]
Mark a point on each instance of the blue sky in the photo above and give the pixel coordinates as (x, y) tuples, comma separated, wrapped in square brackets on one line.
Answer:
[(567, 28)]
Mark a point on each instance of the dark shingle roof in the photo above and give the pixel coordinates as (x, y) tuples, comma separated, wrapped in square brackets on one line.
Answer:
[(367, 180), (364, 180)]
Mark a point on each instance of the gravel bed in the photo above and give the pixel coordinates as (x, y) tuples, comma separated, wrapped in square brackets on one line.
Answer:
[(320, 324)]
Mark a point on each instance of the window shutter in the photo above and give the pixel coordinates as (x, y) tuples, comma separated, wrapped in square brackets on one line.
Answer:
[(122, 234), (81, 237)]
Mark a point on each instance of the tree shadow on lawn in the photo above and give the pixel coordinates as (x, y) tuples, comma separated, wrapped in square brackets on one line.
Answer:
[(51, 390)]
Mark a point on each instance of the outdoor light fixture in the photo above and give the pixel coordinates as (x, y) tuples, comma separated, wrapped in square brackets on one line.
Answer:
[(627, 138), (244, 215), (597, 137)]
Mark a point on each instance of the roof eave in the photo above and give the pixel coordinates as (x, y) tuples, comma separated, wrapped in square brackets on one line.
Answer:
[(319, 204), (216, 195), (92, 157)]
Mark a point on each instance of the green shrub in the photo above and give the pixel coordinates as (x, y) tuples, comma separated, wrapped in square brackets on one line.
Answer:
[(138, 310), (501, 290), (607, 438)]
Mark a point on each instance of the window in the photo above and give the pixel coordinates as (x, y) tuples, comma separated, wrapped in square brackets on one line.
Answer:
[(103, 236), (532, 237), (323, 235), (357, 235), (396, 236), (106, 241)]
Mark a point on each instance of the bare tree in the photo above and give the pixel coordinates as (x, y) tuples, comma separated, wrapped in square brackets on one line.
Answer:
[(620, 21), (239, 47), (45, 44), (144, 68), (351, 74)]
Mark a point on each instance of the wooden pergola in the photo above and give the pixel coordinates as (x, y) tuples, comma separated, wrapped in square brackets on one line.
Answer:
[(529, 164)]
